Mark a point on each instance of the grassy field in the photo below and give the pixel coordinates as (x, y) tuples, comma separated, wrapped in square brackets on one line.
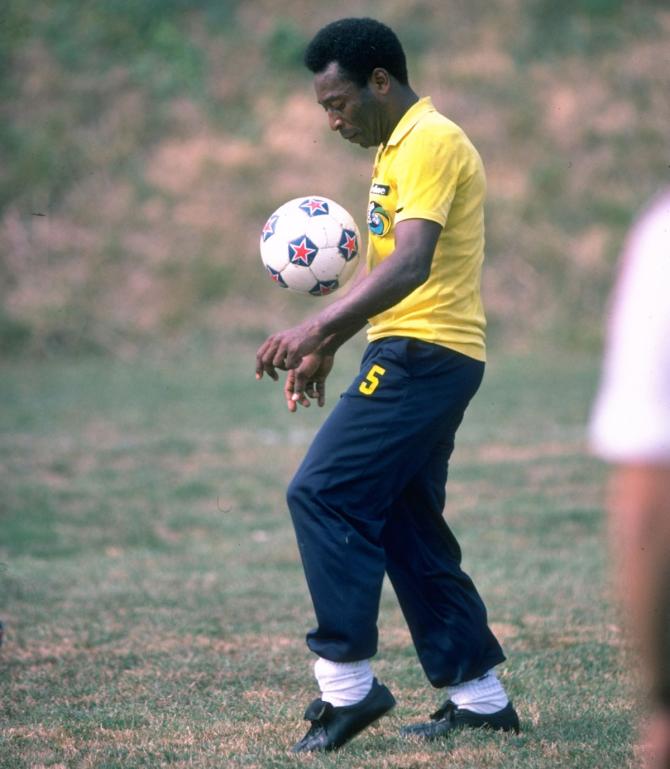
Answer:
[(154, 602)]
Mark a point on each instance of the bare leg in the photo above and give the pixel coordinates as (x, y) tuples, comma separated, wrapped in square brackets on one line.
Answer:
[(639, 505)]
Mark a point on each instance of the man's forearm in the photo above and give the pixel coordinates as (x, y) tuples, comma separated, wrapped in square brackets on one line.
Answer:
[(333, 342), (390, 282), (387, 285)]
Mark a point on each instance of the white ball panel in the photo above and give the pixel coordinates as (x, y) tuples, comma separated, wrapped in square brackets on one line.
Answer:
[(316, 230), (329, 264), (274, 254), (332, 231), (298, 278)]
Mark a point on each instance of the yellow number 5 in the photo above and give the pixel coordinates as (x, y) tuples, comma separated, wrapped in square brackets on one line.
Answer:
[(371, 381)]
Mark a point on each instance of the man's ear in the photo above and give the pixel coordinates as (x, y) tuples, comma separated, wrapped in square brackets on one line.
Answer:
[(380, 81)]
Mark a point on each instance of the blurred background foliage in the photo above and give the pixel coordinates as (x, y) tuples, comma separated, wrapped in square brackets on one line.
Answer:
[(143, 145)]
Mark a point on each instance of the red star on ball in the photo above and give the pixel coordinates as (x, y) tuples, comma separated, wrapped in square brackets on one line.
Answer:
[(348, 245), (314, 206), (301, 252), (269, 227)]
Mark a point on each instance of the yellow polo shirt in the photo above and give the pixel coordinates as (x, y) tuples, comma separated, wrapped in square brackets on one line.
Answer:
[(429, 169)]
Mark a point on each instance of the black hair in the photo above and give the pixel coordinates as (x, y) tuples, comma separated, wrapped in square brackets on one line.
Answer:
[(358, 46)]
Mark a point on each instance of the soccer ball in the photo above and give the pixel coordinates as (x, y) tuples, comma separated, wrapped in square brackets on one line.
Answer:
[(310, 245)]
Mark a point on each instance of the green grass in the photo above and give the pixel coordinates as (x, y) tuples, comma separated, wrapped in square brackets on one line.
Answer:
[(154, 601)]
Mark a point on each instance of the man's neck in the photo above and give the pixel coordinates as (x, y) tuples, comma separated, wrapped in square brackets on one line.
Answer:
[(406, 98)]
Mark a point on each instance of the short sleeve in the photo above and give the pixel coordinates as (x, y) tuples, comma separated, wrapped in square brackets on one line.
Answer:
[(631, 414), (428, 176)]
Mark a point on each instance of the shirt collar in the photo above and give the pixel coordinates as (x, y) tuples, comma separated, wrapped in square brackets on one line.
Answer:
[(410, 119)]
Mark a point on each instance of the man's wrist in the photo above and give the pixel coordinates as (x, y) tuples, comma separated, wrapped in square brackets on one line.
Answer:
[(329, 346), (313, 328), (338, 319)]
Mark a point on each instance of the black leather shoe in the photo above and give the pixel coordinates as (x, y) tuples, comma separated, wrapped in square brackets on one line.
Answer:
[(332, 727), (450, 717)]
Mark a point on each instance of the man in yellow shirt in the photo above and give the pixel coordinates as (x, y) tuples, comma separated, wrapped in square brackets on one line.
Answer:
[(369, 495), (429, 170)]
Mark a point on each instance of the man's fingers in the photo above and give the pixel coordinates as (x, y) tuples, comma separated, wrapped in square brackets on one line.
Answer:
[(300, 381), (279, 357), (321, 392), (289, 384), (264, 357), (295, 399), (286, 356), (292, 359), (289, 392), (284, 351), (269, 370), (316, 390), (300, 388), (260, 353), (293, 392)]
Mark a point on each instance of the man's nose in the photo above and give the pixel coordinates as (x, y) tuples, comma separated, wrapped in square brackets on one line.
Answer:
[(334, 121)]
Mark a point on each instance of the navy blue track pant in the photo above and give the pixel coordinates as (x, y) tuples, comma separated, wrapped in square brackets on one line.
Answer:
[(368, 499)]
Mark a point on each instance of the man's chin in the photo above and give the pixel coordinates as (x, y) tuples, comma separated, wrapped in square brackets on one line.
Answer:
[(360, 140), (355, 138)]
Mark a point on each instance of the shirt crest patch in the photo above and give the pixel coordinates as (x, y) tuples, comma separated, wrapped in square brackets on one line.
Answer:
[(379, 221)]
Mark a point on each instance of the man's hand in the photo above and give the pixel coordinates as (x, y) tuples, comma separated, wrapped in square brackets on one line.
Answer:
[(308, 381), (286, 349)]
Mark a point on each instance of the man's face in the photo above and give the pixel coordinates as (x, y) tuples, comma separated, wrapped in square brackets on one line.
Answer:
[(352, 111)]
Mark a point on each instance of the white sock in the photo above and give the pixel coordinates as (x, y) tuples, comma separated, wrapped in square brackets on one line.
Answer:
[(483, 695), (343, 683)]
